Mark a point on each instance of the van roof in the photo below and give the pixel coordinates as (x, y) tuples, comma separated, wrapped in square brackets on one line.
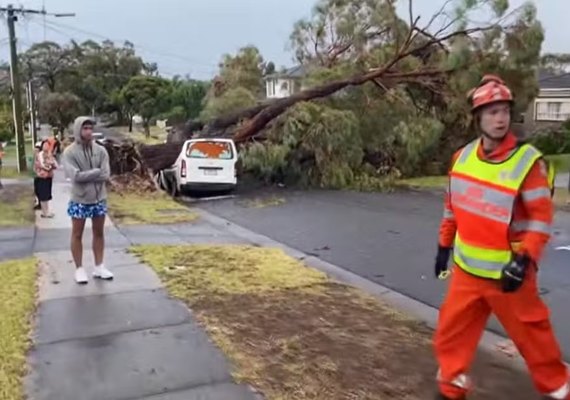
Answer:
[(210, 140)]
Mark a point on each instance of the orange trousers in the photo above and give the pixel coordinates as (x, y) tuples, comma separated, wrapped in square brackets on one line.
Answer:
[(462, 320)]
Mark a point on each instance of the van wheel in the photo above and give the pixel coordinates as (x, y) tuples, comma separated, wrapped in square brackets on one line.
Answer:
[(159, 180), (174, 192)]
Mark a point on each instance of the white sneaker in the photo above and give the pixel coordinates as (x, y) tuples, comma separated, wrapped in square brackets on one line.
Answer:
[(81, 276), (101, 272)]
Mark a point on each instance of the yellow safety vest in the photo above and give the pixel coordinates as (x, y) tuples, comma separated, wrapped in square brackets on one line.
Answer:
[(483, 195)]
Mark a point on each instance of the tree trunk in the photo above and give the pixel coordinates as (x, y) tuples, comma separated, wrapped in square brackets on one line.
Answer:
[(130, 122), (146, 126)]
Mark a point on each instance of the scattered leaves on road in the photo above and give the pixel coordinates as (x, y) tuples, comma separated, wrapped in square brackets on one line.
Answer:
[(262, 202)]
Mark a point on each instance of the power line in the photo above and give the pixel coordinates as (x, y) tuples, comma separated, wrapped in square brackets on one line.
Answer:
[(191, 67), (149, 49), (161, 70), (11, 18)]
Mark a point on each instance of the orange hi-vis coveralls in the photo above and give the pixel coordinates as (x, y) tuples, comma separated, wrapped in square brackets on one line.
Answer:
[(477, 215)]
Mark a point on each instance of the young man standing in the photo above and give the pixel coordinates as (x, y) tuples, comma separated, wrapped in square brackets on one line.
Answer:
[(497, 220), (87, 167)]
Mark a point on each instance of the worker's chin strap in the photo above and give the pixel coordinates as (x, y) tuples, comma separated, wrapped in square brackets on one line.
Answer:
[(493, 139)]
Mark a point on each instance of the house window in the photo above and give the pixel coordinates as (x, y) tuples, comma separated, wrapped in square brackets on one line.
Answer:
[(552, 110), (285, 86)]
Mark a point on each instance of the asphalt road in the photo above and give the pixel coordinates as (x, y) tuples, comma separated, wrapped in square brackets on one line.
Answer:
[(390, 239)]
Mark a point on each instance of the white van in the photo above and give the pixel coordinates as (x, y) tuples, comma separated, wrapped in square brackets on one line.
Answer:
[(203, 165)]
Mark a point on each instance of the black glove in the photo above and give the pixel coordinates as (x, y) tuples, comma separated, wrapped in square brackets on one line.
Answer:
[(441, 260), (514, 273)]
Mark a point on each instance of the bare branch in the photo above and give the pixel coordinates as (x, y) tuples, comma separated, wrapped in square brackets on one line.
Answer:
[(437, 14)]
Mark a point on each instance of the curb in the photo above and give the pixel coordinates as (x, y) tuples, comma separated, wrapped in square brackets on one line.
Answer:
[(414, 308)]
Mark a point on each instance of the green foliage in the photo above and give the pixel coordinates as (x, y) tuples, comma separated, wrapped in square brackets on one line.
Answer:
[(94, 72), (553, 141), (331, 136), (412, 138), (47, 62), (311, 145), (7, 133), (245, 70), (59, 109), (555, 63), (147, 96), (233, 100), (267, 162), (186, 98)]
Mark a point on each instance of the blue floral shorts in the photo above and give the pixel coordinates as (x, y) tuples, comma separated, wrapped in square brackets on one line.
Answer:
[(85, 211)]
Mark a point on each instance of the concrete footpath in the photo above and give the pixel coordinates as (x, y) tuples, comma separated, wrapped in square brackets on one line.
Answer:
[(124, 339)]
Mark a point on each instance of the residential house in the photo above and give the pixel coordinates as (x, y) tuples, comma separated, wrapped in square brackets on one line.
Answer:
[(552, 105), (285, 83)]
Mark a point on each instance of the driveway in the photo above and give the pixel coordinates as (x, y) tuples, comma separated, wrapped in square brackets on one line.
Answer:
[(388, 238)]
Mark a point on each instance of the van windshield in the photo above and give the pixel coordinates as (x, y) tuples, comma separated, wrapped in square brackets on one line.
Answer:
[(210, 149)]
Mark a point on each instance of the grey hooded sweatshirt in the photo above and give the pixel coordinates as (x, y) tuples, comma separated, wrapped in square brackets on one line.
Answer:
[(87, 166)]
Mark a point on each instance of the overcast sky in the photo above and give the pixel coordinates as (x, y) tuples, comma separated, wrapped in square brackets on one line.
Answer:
[(189, 36)]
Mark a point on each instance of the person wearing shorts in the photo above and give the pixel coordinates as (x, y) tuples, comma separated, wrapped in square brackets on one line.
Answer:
[(87, 167)]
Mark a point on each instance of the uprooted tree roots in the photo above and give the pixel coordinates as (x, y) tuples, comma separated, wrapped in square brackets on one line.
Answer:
[(127, 168)]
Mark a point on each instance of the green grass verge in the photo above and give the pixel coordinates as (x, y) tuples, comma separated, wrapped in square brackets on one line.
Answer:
[(147, 208), (13, 173), (16, 205), (424, 182), (17, 304)]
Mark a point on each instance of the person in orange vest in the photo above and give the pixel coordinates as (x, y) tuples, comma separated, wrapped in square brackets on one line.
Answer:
[(497, 219)]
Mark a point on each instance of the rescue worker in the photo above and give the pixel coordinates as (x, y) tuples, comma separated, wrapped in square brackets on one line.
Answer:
[(497, 218)]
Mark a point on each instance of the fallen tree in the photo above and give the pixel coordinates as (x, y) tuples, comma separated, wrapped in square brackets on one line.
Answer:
[(408, 61)]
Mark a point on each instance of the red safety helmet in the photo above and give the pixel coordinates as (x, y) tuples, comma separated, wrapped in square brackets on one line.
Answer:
[(491, 89)]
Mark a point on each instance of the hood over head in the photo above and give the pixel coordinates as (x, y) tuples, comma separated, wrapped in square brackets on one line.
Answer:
[(77, 125)]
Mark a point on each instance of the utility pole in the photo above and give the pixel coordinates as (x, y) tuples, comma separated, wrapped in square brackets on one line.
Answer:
[(15, 77), (16, 92)]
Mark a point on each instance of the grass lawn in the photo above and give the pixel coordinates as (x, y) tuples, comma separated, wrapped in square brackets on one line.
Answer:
[(292, 333), (10, 152), (17, 304), (147, 208), (16, 205), (12, 173), (424, 182)]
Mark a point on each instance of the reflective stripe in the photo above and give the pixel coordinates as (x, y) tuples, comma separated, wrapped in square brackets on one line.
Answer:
[(535, 194), (530, 225), (561, 393), (524, 162), (461, 381), (481, 200), (486, 263), (494, 266), (467, 150), (447, 214)]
